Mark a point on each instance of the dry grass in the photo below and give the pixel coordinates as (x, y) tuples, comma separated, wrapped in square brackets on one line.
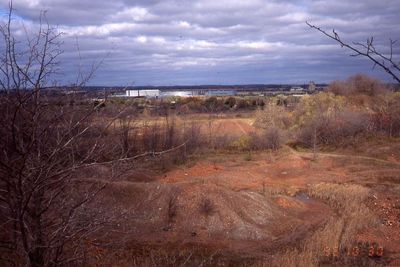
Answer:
[(339, 232), (280, 190), (172, 255), (349, 201), (346, 197)]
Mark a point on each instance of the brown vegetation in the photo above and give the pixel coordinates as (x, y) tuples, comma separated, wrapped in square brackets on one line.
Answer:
[(127, 181), (207, 206)]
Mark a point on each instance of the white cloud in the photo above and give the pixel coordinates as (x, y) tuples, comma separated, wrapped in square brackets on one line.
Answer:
[(184, 24), (137, 14), (260, 45), (98, 31)]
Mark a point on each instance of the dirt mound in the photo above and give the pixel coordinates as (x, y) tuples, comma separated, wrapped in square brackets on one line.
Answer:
[(244, 207), (207, 213), (234, 215)]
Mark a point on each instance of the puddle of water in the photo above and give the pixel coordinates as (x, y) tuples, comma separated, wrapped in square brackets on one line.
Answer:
[(304, 197)]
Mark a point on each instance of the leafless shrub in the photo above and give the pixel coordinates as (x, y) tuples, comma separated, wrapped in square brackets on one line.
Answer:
[(242, 104), (194, 138), (344, 127), (128, 135), (207, 206), (223, 141), (358, 84), (151, 137), (171, 136), (257, 142), (230, 102), (172, 208), (386, 116), (273, 138)]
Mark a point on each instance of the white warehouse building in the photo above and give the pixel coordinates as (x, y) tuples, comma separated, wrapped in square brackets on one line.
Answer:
[(143, 93)]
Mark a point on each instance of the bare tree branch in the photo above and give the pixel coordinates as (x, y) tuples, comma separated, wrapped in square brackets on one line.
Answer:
[(368, 50)]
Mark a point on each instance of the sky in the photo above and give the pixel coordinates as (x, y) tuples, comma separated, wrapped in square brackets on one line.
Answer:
[(198, 42)]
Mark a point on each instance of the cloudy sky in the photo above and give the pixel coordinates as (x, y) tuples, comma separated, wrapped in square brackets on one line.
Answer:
[(183, 42)]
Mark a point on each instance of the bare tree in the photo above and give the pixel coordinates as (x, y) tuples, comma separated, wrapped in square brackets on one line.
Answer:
[(384, 60), (45, 146), (43, 217)]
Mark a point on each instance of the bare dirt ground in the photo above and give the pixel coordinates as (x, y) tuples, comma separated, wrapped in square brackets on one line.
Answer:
[(253, 207)]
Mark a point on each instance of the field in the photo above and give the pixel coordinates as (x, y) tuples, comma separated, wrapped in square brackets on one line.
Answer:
[(256, 208), (197, 181)]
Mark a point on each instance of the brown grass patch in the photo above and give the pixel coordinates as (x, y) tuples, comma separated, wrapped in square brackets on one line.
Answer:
[(338, 233)]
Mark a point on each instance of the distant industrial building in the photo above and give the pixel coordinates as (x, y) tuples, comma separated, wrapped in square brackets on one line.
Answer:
[(220, 93), (156, 93), (297, 89), (143, 93)]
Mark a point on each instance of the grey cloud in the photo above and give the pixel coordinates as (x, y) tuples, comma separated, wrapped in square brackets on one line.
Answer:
[(209, 41)]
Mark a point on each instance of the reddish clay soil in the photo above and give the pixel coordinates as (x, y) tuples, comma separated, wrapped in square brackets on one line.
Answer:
[(232, 127), (265, 171), (292, 172), (242, 220), (251, 206), (254, 206)]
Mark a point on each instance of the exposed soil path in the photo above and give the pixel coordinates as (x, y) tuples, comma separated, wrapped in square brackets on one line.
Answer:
[(310, 155), (240, 127)]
